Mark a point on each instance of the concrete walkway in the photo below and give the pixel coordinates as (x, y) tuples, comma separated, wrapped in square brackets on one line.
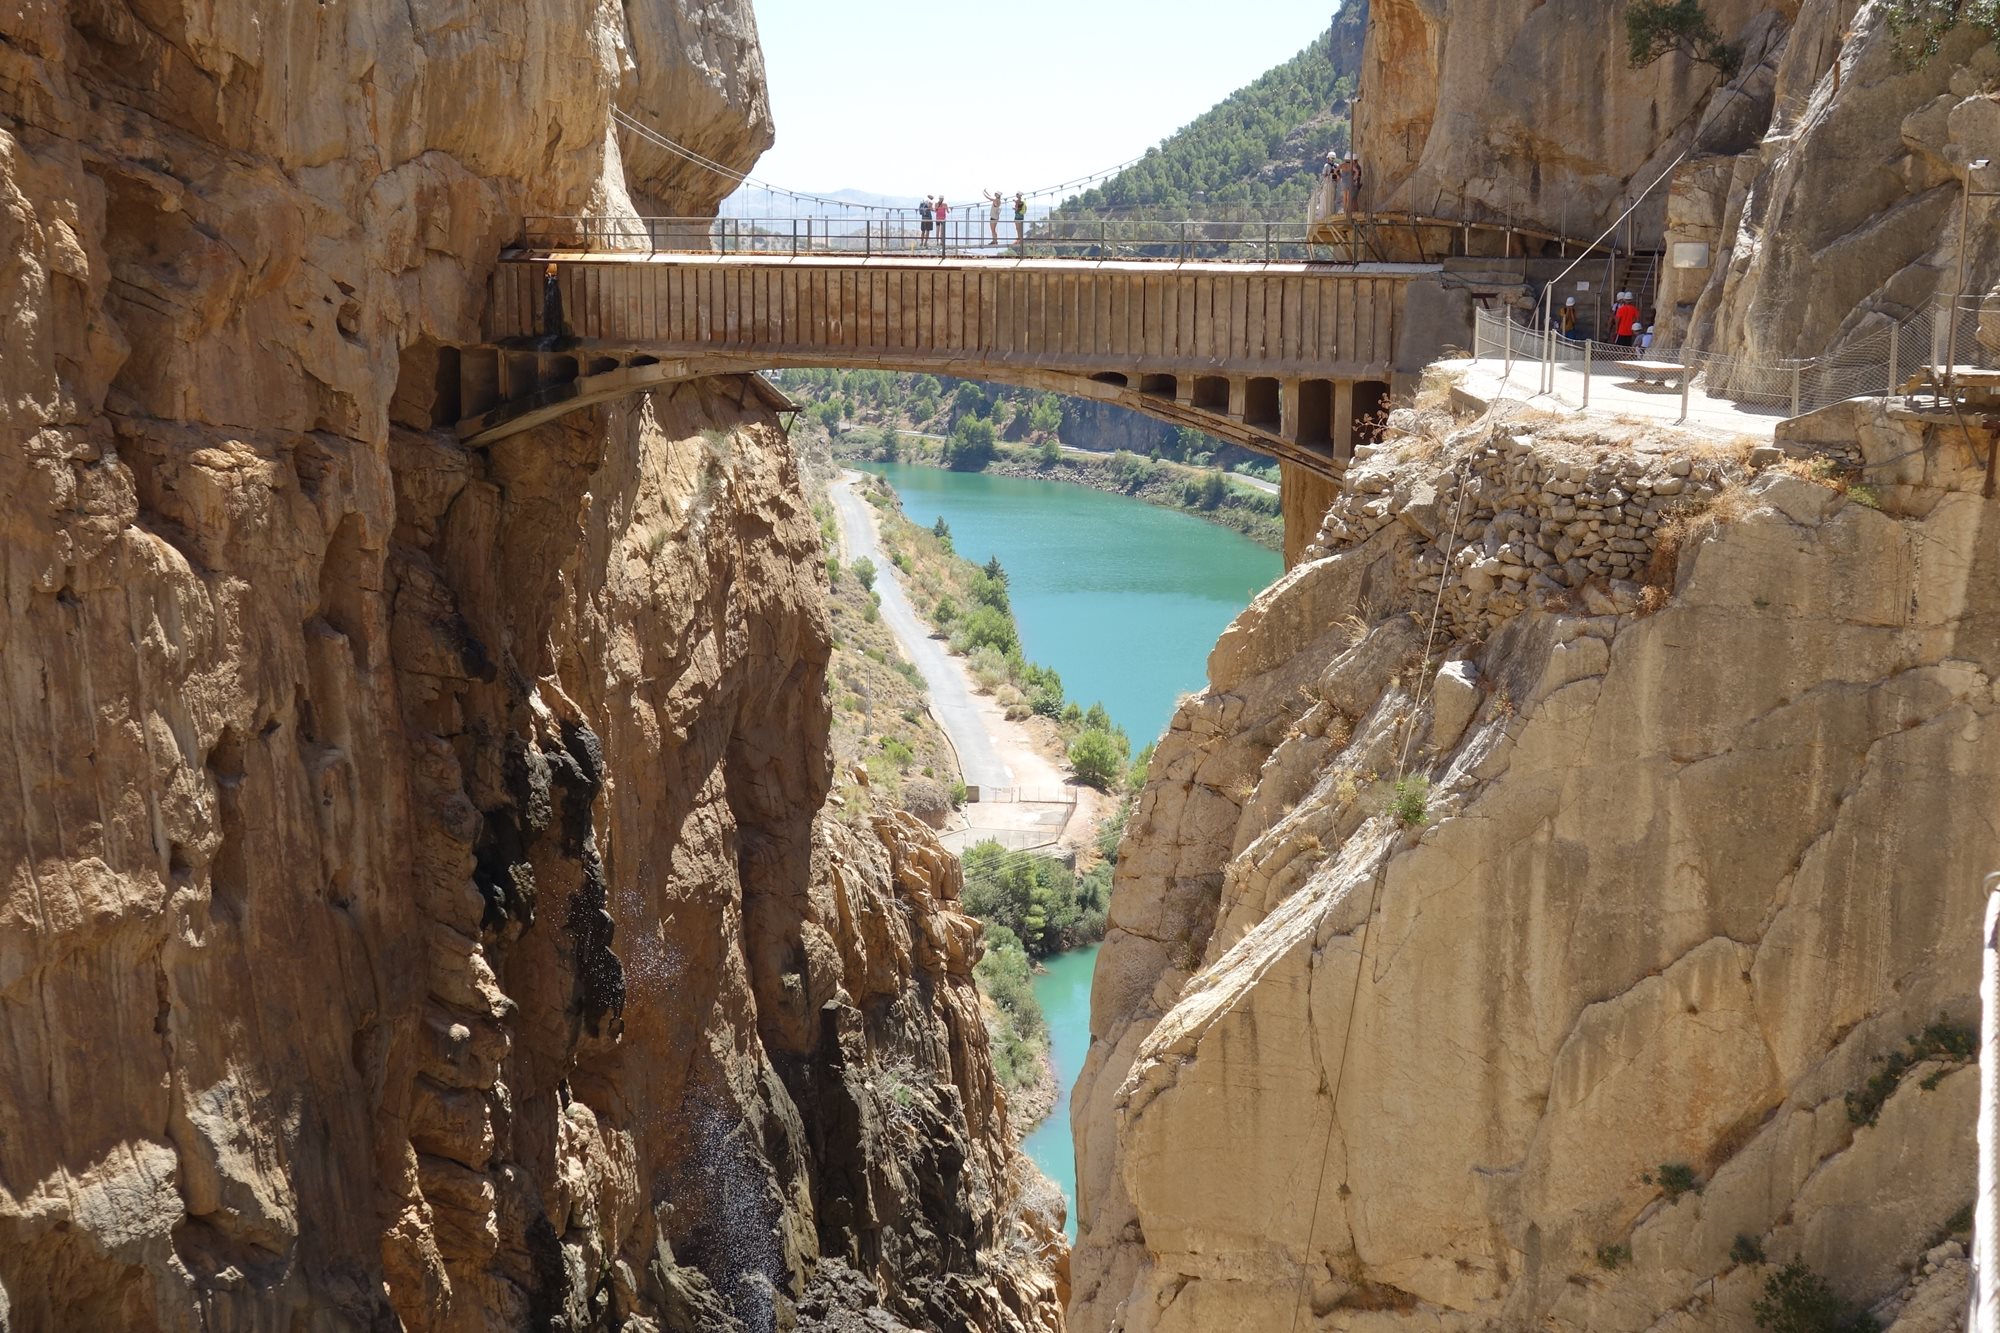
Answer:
[(951, 698), (1612, 394)]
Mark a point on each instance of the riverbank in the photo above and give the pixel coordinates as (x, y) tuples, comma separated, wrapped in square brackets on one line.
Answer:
[(1236, 503)]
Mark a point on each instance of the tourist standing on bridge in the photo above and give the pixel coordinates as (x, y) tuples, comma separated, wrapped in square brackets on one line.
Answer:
[(924, 216), (943, 211), (994, 198), (1021, 221), (552, 316)]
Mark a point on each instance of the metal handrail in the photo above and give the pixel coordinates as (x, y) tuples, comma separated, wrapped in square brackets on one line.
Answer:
[(905, 235)]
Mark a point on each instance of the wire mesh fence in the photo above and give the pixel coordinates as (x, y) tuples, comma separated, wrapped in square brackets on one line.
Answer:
[(1883, 359)]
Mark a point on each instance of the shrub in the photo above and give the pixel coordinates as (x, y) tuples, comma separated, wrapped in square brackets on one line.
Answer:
[(989, 668), (971, 446), (1676, 1179), (864, 572), (1798, 1300), (958, 795), (983, 627), (1045, 415), (897, 753), (1094, 756), (1746, 1250), (1135, 776), (1612, 1257), (989, 591), (1920, 26), (1655, 28), (1942, 1040), (940, 529), (1050, 452), (833, 571), (1410, 799), (944, 612)]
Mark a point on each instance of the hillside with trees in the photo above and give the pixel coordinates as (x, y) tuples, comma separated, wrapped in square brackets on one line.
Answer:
[(1256, 154)]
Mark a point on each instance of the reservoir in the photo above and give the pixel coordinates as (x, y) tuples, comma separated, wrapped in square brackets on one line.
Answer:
[(1124, 599)]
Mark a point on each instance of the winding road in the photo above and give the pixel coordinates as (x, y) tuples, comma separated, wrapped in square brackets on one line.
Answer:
[(950, 697)]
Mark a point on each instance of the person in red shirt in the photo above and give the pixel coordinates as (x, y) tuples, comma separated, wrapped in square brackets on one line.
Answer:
[(1625, 320)]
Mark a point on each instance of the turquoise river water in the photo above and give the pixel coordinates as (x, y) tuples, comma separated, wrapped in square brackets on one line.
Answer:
[(1124, 599)]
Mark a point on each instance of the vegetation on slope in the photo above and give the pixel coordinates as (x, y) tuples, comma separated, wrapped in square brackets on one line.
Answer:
[(1257, 153)]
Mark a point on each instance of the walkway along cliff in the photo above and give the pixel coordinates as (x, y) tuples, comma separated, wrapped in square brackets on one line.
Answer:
[(418, 906)]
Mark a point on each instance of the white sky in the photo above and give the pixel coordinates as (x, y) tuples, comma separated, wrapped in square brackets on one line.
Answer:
[(911, 97)]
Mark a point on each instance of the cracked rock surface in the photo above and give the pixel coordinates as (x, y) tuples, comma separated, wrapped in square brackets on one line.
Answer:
[(1675, 879), (416, 906)]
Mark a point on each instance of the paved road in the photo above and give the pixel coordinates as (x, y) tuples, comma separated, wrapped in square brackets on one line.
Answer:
[(951, 697)]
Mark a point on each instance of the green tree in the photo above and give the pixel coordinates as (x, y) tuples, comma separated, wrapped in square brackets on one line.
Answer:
[(993, 569), (1045, 415), (941, 529), (971, 446), (1050, 452), (1094, 757), (1657, 28), (864, 572)]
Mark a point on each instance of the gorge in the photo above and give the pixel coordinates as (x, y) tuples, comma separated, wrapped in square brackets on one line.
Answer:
[(431, 900)]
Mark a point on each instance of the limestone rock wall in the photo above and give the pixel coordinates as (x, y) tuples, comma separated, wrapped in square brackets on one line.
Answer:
[(1678, 878), (1825, 176), (417, 906)]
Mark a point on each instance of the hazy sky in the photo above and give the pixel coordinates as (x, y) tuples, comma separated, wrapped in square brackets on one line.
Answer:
[(907, 97)]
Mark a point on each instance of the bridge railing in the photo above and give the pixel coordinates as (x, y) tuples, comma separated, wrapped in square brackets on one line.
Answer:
[(958, 236)]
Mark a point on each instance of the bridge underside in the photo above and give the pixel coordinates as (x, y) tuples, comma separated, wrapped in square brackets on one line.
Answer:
[(1290, 360), (1310, 422)]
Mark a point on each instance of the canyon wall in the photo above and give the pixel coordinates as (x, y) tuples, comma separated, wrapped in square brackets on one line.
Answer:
[(418, 904), (1560, 910), (1824, 176)]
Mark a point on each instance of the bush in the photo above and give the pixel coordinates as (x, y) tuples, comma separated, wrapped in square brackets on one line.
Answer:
[(1050, 452), (864, 572), (1676, 1179), (1920, 26), (897, 753), (1045, 415), (833, 571), (1410, 799), (971, 446), (1094, 756), (1798, 1300), (989, 591), (1746, 1250), (983, 627), (1655, 28), (1612, 1257), (1942, 1040), (1135, 776), (959, 795), (941, 530), (989, 668), (944, 612)]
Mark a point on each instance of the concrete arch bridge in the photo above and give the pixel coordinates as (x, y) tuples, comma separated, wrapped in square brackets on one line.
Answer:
[(1293, 359)]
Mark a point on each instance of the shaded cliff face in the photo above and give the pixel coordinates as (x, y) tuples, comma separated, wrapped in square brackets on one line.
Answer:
[(1676, 884), (417, 906), (1824, 176)]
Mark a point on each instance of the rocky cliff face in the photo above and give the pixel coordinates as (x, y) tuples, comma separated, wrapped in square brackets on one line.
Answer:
[(417, 906), (1825, 176), (1587, 1022)]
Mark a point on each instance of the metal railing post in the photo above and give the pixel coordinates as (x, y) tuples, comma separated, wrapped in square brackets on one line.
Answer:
[(1507, 339), (1797, 371), (1895, 346), (1687, 385), (1267, 242), (1589, 346)]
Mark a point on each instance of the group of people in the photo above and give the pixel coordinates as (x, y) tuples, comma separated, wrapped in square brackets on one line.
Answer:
[(935, 212), (1342, 177), (1628, 325)]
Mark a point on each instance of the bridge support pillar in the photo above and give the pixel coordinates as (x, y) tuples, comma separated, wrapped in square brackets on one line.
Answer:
[(1343, 420), (1303, 499)]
